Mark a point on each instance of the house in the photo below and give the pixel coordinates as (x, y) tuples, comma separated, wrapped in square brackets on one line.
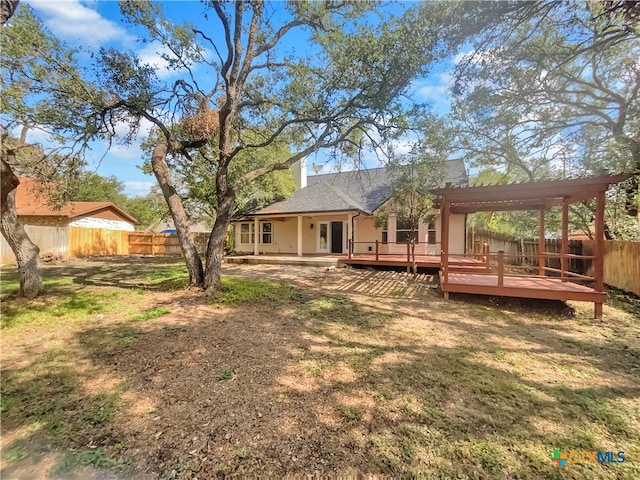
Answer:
[(34, 208), (330, 210), (49, 227)]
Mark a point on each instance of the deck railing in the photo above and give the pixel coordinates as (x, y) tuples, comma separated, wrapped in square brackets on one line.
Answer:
[(409, 250), (377, 248), (520, 264)]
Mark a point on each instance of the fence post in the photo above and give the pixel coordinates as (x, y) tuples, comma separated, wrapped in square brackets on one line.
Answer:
[(500, 268), (350, 248), (377, 243), (485, 255)]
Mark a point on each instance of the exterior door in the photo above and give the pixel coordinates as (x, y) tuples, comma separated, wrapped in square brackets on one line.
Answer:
[(336, 237), (323, 238)]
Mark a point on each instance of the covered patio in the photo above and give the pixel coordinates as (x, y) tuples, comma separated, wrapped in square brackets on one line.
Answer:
[(505, 277)]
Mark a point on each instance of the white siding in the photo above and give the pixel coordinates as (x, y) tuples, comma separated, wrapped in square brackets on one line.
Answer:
[(92, 222)]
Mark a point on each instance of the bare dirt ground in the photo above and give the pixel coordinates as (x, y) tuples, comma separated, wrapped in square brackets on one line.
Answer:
[(344, 372)]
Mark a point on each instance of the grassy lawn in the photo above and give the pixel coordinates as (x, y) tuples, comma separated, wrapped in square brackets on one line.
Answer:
[(119, 369)]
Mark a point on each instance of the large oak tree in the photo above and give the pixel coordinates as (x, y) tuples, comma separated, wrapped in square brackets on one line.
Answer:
[(554, 90), (313, 75)]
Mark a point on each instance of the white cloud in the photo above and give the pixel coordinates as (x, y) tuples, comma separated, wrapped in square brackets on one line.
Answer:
[(435, 88), (126, 152), (72, 20), (137, 188), (432, 92), (402, 147), (479, 57), (460, 57), (151, 55)]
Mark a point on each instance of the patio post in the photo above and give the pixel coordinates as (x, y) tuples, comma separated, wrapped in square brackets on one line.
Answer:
[(598, 261), (256, 235), (299, 235), (541, 259), (444, 239), (564, 248)]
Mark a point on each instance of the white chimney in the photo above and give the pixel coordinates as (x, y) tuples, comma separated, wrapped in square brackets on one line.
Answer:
[(299, 171)]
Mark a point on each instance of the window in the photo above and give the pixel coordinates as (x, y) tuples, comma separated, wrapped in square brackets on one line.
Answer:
[(265, 232), (324, 236), (404, 233), (246, 233), (385, 236), (431, 232)]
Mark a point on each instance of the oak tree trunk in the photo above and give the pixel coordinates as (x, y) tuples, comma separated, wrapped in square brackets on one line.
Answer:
[(216, 243), (23, 248), (180, 219)]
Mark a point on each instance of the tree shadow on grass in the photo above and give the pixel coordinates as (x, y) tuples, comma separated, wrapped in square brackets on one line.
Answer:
[(316, 382), (551, 328), (336, 386), (51, 426)]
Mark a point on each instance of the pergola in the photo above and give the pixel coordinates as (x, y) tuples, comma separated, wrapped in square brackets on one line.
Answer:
[(538, 196)]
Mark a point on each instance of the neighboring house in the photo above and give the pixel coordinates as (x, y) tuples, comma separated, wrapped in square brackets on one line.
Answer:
[(48, 226), (34, 208), (329, 210)]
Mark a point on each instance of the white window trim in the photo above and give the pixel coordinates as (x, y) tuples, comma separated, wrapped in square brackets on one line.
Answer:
[(398, 219), (251, 234), (260, 237), (434, 230)]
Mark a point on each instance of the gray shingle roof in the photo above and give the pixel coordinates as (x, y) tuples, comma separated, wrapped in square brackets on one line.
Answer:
[(361, 190)]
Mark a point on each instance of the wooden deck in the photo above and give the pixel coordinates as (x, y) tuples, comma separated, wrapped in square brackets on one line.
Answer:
[(284, 259), (421, 261), (520, 286)]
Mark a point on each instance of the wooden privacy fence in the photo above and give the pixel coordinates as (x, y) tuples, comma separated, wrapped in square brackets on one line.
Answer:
[(621, 259), (84, 242), (621, 264), (51, 240), (527, 252), (149, 243)]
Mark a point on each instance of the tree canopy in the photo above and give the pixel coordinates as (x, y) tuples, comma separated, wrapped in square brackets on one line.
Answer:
[(553, 91), (253, 90)]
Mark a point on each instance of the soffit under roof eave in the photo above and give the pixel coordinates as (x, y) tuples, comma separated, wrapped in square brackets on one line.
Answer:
[(304, 213)]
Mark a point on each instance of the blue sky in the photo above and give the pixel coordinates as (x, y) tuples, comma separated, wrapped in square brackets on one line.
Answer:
[(96, 24)]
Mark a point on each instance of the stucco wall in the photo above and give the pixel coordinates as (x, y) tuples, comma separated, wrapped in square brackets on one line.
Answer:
[(366, 231), (285, 234)]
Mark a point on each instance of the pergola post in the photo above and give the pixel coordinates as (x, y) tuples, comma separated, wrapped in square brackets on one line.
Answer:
[(564, 248), (598, 261), (541, 259)]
